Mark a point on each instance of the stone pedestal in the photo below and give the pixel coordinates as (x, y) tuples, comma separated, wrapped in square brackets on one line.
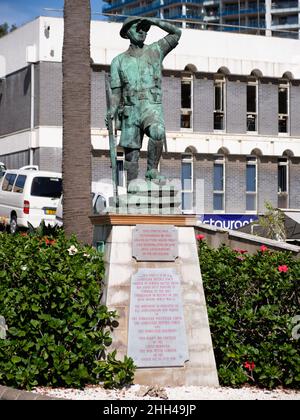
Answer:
[(121, 269)]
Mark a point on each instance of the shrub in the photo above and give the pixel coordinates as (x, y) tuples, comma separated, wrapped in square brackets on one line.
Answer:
[(251, 301), (58, 329)]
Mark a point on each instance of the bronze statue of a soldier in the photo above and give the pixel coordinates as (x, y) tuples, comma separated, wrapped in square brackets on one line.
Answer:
[(136, 94)]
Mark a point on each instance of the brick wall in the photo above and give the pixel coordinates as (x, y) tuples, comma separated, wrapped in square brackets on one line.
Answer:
[(235, 184), (267, 182), (236, 107), (48, 158), (98, 99), (50, 94), (15, 94), (171, 90), (294, 183), (15, 160), (203, 107), (203, 170), (295, 110), (268, 108)]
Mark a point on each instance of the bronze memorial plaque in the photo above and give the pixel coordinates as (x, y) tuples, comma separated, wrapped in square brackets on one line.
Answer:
[(155, 243), (156, 335)]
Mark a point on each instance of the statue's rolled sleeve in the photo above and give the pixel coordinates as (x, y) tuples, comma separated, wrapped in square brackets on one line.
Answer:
[(168, 43), (115, 80)]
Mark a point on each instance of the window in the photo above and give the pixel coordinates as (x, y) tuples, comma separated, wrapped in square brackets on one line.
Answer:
[(219, 183), (283, 182), (252, 88), (8, 182), (187, 102), (283, 108), (20, 182), (219, 115), (120, 170), (251, 184), (187, 183), (43, 186)]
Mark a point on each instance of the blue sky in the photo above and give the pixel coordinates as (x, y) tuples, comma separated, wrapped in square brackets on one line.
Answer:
[(21, 11)]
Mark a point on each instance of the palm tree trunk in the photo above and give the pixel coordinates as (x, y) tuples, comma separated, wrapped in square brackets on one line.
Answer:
[(76, 162)]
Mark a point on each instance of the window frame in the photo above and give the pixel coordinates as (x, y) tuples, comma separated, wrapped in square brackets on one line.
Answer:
[(121, 159), (219, 160), (7, 177), (248, 113), (187, 77), (220, 80), (187, 158), (252, 161), (282, 116)]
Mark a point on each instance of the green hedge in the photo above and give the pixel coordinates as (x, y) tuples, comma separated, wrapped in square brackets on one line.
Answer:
[(58, 330), (252, 300)]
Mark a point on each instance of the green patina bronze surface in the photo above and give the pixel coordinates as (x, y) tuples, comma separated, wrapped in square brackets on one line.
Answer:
[(136, 99)]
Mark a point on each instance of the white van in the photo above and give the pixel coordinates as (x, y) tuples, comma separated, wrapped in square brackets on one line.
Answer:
[(101, 193), (28, 195)]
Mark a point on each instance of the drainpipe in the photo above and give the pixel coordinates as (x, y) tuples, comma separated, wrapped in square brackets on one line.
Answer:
[(31, 116), (268, 18), (31, 59)]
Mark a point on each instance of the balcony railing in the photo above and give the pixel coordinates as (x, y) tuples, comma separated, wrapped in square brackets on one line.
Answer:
[(227, 11), (112, 7), (285, 5)]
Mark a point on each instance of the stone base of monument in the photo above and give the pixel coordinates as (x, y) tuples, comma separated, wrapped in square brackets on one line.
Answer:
[(148, 197), (153, 280)]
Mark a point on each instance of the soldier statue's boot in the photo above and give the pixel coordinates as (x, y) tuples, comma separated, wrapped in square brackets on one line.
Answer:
[(132, 169), (155, 148)]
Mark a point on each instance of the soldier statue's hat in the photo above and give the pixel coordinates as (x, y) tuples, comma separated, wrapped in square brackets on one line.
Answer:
[(128, 22)]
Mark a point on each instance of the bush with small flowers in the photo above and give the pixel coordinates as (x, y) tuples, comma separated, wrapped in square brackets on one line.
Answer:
[(58, 331), (252, 303)]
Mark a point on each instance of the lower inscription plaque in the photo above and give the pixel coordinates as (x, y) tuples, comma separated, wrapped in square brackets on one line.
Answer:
[(156, 335)]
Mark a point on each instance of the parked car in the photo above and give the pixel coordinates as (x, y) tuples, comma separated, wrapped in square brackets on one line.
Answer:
[(101, 193), (2, 169), (28, 195)]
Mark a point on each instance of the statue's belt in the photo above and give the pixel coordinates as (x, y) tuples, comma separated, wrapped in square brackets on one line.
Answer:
[(153, 93)]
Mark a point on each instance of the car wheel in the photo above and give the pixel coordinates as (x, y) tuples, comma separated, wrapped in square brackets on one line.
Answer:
[(13, 225)]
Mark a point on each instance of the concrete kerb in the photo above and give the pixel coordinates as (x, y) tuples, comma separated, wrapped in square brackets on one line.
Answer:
[(7, 393)]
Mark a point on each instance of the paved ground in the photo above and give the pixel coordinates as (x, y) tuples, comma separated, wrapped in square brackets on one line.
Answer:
[(138, 392)]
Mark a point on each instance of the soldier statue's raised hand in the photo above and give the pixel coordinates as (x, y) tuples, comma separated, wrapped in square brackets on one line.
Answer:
[(136, 97)]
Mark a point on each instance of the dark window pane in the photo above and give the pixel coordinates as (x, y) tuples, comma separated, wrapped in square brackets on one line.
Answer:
[(19, 185), (282, 101), (187, 201), (219, 97), (282, 124), (186, 94), (251, 98), (218, 201), (218, 121), (8, 182), (251, 202), (5, 182), (46, 187), (251, 178), (120, 173), (282, 178), (186, 176), (185, 121), (251, 122), (218, 176)]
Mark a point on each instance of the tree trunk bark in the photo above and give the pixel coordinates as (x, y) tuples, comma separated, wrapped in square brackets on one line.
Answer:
[(76, 159)]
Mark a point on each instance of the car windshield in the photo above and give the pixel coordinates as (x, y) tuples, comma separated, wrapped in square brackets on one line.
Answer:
[(43, 186)]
